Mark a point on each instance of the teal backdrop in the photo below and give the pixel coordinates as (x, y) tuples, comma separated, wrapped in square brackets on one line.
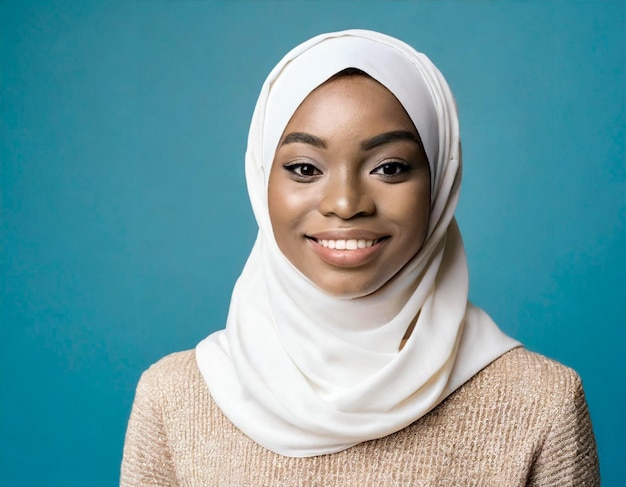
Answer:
[(125, 219)]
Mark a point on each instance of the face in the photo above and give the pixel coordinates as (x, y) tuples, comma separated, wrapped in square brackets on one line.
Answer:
[(349, 188)]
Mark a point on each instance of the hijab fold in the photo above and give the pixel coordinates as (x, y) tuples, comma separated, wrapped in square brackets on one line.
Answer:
[(303, 373)]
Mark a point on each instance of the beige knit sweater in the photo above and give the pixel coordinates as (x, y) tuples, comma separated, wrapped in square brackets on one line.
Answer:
[(522, 420)]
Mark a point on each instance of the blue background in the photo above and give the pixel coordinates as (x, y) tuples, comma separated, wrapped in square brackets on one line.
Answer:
[(125, 219)]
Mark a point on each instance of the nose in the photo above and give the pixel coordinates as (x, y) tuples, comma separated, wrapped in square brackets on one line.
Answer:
[(346, 197)]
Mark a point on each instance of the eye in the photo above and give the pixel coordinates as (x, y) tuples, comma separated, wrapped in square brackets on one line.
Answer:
[(303, 170), (393, 168)]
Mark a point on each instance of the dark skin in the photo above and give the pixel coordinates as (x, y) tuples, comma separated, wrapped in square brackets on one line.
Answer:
[(349, 188)]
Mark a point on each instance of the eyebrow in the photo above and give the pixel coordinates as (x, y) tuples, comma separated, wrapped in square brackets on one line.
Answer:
[(388, 137), (369, 144), (304, 138)]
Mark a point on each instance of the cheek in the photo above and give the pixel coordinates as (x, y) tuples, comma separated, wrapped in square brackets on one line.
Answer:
[(421, 210), (278, 211), (409, 209), (283, 206), (288, 207)]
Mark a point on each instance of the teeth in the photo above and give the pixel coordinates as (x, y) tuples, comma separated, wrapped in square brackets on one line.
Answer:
[(351, 244)]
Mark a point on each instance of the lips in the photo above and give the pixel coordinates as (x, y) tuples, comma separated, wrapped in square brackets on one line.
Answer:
[(347, 249)]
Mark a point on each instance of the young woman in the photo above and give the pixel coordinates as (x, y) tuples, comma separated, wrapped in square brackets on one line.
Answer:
[(351, 355)]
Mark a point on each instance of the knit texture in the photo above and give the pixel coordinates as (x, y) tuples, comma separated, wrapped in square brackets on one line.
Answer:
[(522, 420)]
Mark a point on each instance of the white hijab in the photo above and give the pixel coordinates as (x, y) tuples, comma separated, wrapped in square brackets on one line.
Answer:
[(303, 373)]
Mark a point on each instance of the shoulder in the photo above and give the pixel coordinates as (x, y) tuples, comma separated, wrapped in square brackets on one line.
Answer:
[(166, 402), (550, 407), (524, 371), (173, 362), (524, 387), (174, 371)]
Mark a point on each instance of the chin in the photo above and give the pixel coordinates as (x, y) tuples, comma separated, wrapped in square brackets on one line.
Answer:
[(347, 291)]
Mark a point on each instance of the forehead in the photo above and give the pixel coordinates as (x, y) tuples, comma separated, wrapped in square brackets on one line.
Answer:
[(355, 100)]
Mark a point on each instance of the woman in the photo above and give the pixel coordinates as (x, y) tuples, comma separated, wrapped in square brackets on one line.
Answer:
[(351, 355)]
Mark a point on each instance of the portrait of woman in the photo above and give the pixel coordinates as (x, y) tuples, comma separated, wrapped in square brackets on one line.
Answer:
[(351, 354), (296, 243)]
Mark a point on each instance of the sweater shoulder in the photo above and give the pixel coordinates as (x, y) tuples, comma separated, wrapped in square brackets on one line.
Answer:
[(171, 372), (524, 372), (174, 361), (522, 361)]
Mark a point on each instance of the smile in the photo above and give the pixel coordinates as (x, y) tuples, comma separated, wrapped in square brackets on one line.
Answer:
[(347, 252), (351, 244)]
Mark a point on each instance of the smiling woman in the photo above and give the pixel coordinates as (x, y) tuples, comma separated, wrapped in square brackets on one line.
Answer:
[(349, 188), (351, 355)]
